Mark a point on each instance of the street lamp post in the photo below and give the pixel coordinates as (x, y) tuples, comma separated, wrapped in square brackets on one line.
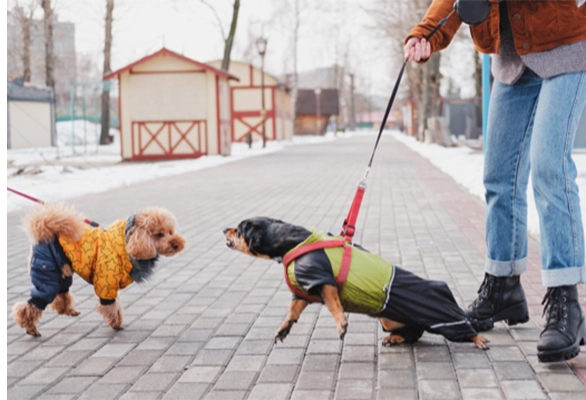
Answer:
[(318, 107), (261, 46)]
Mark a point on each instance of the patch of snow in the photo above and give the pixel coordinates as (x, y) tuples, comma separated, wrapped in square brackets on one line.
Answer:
[(466, 167), (67, 171)]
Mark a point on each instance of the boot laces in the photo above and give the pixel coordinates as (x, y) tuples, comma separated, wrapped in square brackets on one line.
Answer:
[(555, 307), (484, 290)]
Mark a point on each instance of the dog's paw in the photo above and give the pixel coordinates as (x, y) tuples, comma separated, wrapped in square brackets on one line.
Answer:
[(33, 332), (393, 340), (282, 334), (480, 342), (343, 329), (284, 329)]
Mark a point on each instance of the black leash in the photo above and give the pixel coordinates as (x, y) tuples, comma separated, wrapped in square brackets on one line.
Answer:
[(396, 88), (349, 226)]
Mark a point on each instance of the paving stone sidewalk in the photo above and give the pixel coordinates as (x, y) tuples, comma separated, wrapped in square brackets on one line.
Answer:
[(203, 326)]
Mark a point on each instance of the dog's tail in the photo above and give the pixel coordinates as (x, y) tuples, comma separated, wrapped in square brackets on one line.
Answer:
[(45, 222)]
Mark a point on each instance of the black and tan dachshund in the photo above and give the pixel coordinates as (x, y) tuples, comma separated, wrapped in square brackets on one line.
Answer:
[(405, 304)]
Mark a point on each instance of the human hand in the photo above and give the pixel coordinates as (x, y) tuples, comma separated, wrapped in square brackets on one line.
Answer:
[(417, 49)]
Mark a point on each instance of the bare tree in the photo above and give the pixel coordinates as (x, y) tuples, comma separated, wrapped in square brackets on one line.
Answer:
[(229, 38), (105, 118), (478, 86), (24, 15), (49, 45), (289, 14), (393, 21), (229, 41)]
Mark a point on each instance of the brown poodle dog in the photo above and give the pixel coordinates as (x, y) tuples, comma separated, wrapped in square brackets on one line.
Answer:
[(109, 259)]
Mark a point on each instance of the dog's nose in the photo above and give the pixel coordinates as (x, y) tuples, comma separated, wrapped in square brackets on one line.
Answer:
[(175, 246), (225, 230)]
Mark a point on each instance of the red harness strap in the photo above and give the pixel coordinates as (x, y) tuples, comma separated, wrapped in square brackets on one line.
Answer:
[(308, 248)]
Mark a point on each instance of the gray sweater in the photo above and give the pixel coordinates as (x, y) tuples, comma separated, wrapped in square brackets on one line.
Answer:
[(508, 66)]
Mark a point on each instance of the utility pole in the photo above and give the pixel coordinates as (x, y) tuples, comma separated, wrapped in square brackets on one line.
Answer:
[(105, 118), (261, 45), (318, 109), (49, 46), (352, 117)]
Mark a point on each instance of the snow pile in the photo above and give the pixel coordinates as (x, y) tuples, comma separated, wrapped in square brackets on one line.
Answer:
[(58, 173), (70, 171)]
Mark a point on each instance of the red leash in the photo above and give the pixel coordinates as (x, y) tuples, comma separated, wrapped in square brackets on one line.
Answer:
[(26, 196)]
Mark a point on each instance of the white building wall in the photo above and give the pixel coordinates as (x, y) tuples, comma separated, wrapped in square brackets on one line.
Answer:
[(30, 124)]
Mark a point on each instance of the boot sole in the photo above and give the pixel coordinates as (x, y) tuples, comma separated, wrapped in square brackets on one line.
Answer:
[(517, 314), (566, 353)]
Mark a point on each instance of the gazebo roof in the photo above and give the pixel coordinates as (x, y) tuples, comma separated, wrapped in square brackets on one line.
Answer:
[(165, 51)]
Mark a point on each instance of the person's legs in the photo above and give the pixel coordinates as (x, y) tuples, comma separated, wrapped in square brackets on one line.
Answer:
[(553, 173), (506, 174), (560, 106)]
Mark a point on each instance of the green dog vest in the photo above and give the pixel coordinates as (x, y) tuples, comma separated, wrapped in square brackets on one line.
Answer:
[(369, 279)]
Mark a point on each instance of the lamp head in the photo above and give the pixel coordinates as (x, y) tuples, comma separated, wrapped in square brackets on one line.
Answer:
[(261, 45)]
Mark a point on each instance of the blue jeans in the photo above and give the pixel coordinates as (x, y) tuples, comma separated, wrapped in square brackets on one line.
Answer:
[(531, 127)]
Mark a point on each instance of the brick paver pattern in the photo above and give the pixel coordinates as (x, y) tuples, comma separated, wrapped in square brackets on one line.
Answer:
[(203, 327)]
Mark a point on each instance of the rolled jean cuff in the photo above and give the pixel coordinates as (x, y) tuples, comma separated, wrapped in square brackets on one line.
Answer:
[(506, 268), (563, 276)]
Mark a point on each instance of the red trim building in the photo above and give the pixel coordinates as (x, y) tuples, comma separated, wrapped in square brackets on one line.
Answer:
[(173, 107), (246, 104)]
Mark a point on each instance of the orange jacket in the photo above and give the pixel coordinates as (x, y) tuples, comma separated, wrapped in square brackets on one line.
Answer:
[(537, 25), (100, 258)]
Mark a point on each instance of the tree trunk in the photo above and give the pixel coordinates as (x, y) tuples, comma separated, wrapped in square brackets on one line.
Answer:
[(230, 39), (49, 48), (295, 85), (430, 93), (25, 19), (478, 87), (105, 118), (352, 116)]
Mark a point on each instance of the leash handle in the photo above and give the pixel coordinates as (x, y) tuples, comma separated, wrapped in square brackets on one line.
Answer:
[(26, 196)]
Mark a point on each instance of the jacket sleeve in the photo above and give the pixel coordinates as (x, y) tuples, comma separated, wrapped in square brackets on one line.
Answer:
[(438, 10), (45, 272), (105, 283)]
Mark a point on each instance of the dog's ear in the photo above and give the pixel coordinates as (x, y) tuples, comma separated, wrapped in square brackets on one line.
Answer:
[(251, 234), (254, 242), (140, 246)]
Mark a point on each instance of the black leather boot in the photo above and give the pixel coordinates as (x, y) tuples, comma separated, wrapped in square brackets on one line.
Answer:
[(565, 330), (499, 299)]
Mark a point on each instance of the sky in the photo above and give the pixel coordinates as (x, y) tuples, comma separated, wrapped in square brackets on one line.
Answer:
[(329, 29), (189, 27)]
